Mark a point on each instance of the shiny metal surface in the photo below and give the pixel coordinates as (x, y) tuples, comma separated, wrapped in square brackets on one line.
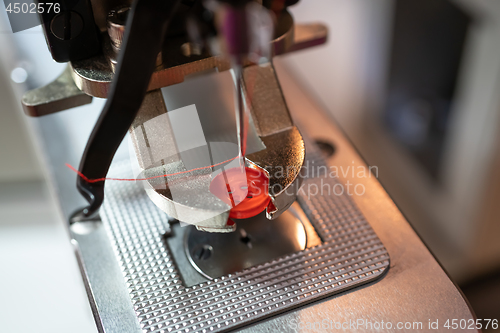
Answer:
[(283, 150), (269, 111), (199, 207), (94, 75), (350, 255), (97, 262), (112, 42), (101, 8), (414, 289), (59, 95), (255, 241), (116, 20)]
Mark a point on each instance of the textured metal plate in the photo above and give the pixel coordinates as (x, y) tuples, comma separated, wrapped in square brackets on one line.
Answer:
[(351, 254)]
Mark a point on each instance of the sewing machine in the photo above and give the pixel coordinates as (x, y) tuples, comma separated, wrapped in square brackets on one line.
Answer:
[(159, 249)]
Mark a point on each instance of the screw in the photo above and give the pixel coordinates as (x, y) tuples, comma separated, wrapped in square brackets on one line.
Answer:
[(66, 25), (116, 25), (203, 252), (326, 148)]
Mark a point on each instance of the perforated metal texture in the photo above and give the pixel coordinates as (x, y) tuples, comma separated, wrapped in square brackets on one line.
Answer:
[(351, 254)]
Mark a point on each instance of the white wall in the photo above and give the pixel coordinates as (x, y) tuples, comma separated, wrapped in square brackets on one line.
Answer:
[(18, 161)]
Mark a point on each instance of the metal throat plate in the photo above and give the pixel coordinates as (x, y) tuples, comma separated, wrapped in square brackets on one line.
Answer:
[(351, 255)]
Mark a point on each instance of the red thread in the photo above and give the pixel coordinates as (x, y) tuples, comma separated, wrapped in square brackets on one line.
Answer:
[(250, 84), (133, 180)]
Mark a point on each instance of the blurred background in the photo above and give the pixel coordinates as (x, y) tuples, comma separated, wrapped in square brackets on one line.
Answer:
[(414, 84)]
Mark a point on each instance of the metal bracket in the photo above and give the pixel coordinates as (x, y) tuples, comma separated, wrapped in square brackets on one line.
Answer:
[(61, 94)]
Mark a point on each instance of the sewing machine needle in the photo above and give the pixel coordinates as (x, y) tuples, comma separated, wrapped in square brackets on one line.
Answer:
[(240, 112)]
